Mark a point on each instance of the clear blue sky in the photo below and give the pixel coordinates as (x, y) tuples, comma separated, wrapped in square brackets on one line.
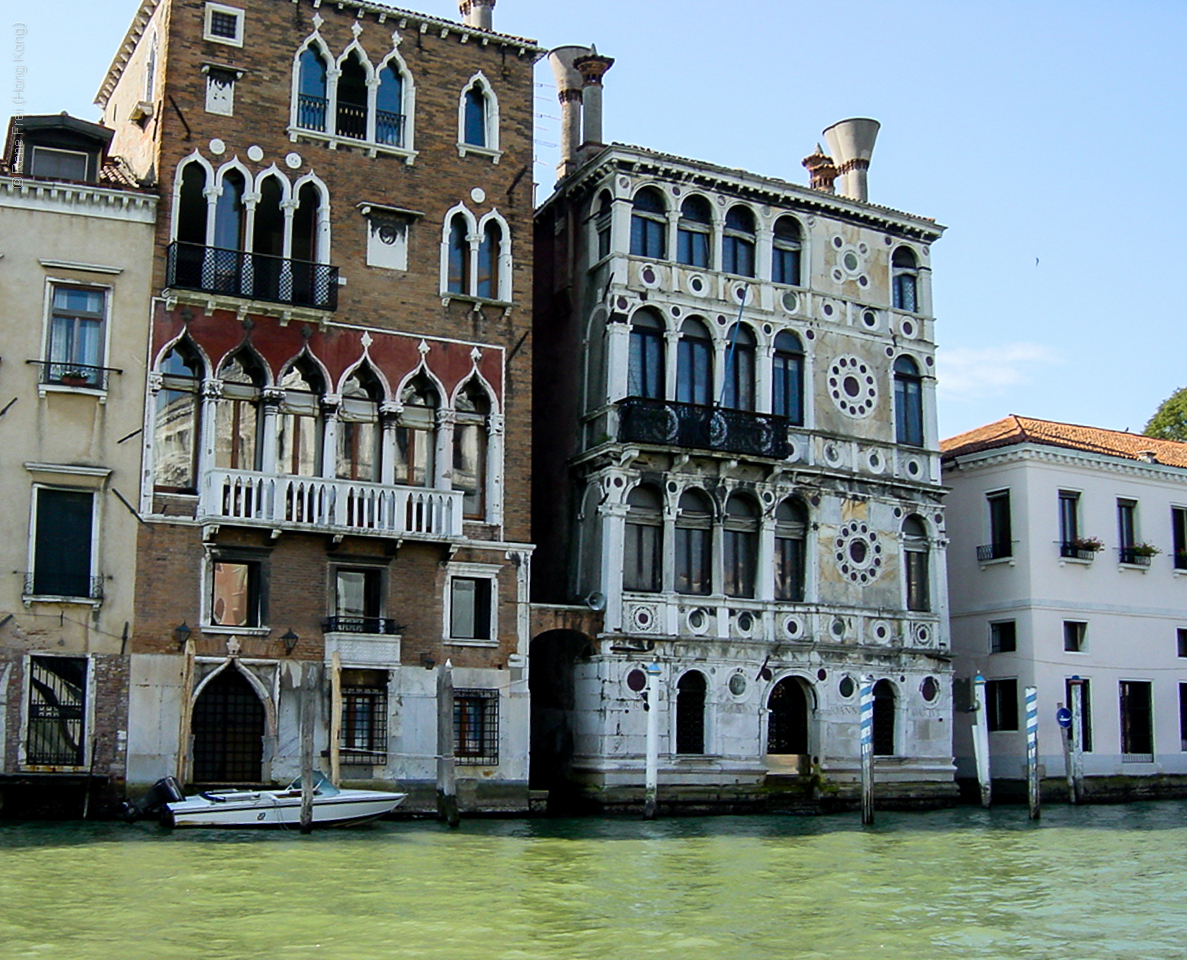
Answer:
[(1048, 136)]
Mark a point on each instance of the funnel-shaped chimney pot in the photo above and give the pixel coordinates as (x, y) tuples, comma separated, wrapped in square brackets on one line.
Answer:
[(477, 13), (851, 143), (569, 84)]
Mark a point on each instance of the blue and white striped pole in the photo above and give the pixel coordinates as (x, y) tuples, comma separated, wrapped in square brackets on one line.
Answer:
[(867, 750), (1032, 753)]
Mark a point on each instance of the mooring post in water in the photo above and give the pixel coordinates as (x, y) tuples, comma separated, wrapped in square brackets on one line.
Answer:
[(867, 750), (446, 781), (981, 741), (1033, 798), (184, 734), (1077, 736), (307, 707), (335, 718), (1063, 717), (651, 775)]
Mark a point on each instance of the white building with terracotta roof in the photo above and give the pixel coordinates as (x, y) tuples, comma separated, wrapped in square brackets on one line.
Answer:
[(1068, 558)]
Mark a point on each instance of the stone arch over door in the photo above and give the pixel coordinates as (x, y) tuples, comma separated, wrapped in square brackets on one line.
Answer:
[(789, 723), (230, 723)]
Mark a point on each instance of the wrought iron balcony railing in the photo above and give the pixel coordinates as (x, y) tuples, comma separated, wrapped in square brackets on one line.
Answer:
[(389, 128), (352, 121), (311, 112), (257, 276), (705, 428), (70, 374), (994, 551), (382, 626)]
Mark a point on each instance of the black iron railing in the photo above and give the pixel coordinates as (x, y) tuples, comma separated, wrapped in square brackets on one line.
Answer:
[(70, 374), (994, 551), (707, 428), (192, 266), (378, 625), (389, 128), (57, 711), (1131, 555), (351, 121), (57, 583), (311, 112)]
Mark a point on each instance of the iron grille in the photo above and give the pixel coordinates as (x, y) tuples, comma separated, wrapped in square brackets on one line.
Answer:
[(364, 725), (352, 121), (228, 729), (57, 711), (193, 266), (389, 128), (643, 420), (59, 584), (476, 727), (380, 625), (994, 551), (311, 112)]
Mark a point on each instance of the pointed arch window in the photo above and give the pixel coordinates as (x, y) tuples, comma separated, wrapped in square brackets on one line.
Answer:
[(351, 101), (177, 419), (474, 122), (785, 251), (459, 255), (739, 369), (229, 213), (791, 534), (312, 100), (915, 565), (237, 420), (649, 224), (787, 388), (904, 278), (690, 713), (268, 239), (694, 364), (647, 368), (643, 550), (300, 424), (737, 245), (489, 249), (694, 544), (694, 232), (740, 547), (389, 106), (470, 432), (416, 433), (908, 402), (359, 431)]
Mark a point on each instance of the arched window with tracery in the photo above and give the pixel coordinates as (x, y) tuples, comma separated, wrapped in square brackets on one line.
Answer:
[(230, 215), (694, 232), (737, 244), (644, 547), (694, 363), (390, 112), (237, 420), (474, 124), (740, 546), (312, 99), (690, 713), (791, 534), (177, 420), (267, 240), (351, 101), (416, 433), (470, 433), (489, 250), (360, 432), (646, 374), (300, 424), (459, 255), (649, 224), (694, 544), (787, 387), (193, 211), (739, 368)]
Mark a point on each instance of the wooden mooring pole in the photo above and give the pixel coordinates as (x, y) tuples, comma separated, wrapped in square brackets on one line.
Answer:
[(1077, 737), (981, 741), (651, 767), (335, 718), (308, 705), (446, 779), (867, 750), (1033, 793)]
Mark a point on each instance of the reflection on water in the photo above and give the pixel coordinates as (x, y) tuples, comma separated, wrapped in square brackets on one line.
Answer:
[(1089, 882)]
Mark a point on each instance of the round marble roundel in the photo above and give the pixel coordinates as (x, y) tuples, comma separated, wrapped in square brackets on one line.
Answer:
[(858, 552), (852, 386)]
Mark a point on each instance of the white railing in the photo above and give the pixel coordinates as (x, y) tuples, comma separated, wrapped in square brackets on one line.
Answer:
[(341, 506)]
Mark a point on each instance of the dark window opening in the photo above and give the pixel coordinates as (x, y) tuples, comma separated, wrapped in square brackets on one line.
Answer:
[(740, 547), (57, 712), (739, 369), (785, 253), (649, 225), (884, 719), (694, 364), (352, 100), (646, 373), (470, 608), (908, 402), (643, 549), (690, 713), (62, 545), (475, 117), (1001, 704), (693, 234), (737, 244), (694, 538), (788, 386), (476, 727), (224, 25), (905, 277), (364, 717), (791, 532), (228, 730), (787, 727), (1003, 637), (1075, 636), (1137, 721)]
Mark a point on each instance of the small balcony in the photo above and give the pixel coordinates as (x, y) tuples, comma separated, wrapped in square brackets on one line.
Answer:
[(316, 504), (994, 551), (256, 276), (699, 427)]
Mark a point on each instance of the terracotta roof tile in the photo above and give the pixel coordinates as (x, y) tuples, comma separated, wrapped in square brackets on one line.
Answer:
[(1110, 443)]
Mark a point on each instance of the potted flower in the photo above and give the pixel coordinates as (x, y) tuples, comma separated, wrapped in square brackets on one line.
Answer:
[(1139, 554), (1145, 550), (75, 377), (1088, 544)]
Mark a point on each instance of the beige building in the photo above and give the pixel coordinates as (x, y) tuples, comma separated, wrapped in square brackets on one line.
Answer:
[(75, 261)]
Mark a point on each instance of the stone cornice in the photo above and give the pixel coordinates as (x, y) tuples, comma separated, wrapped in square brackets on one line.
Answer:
[(78, 199), (1065, 456)]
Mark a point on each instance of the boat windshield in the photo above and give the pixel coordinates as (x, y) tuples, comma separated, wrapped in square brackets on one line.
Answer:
[(321, 785)]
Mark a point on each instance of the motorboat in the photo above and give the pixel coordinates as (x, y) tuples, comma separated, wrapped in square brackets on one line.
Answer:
[(332, 806)]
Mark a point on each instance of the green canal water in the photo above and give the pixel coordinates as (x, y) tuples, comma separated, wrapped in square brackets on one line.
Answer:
[(1089, 882)]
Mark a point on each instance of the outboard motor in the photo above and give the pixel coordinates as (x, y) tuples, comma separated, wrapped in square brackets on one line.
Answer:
[(165, 790)]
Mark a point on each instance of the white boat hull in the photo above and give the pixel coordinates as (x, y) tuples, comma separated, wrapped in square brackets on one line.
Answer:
[(279, 808)]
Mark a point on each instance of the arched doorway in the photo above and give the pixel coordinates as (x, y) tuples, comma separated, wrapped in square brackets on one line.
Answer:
[(690, 713), (787, 731), (551, 683), (228, 727), (884, 709)]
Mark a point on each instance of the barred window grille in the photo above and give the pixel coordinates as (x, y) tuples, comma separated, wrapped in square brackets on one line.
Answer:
[(364, 725), (476, 727), (57, 711)]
